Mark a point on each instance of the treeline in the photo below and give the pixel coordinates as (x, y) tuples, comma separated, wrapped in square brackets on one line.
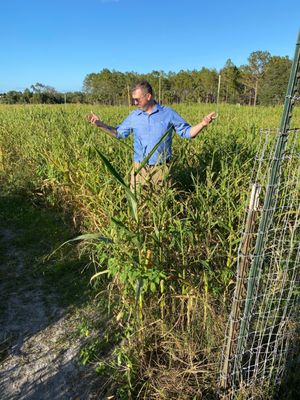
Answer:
[(42, 94), (262, 81)]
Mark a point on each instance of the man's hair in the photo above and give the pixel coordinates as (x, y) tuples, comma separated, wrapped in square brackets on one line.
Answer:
[(144, 86)]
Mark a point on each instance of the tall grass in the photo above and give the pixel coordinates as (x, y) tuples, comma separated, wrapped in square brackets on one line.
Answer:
[(168, 266)]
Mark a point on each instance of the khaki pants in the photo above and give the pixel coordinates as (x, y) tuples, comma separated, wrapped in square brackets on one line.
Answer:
[(149, 175)]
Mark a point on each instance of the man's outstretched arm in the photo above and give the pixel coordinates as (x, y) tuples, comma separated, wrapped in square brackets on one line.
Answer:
[(196, 129), (94, 119)]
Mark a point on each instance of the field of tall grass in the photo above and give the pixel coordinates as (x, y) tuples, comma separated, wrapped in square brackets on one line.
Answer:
[(165, 259)]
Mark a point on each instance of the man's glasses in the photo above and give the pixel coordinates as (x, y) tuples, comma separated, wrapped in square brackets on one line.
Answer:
[(136, 100)]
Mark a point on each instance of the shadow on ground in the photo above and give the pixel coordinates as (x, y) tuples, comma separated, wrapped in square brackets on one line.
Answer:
[(42, 303)]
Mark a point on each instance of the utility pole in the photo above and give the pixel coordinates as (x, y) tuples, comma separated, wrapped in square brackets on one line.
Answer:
[(218, 94), (159, 88), (128, 97)]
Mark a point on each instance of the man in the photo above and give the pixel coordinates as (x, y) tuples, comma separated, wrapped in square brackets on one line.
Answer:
[(149, 122)]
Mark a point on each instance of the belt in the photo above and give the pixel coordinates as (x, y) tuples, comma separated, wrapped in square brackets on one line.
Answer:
[(167, 162)]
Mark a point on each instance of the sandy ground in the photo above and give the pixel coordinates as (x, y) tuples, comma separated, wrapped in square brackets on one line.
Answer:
[(38, 359)]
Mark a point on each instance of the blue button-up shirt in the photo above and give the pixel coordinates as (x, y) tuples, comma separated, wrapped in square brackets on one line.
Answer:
[(148, 129)]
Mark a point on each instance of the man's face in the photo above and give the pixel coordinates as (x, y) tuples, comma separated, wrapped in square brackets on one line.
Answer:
[(141, 99)]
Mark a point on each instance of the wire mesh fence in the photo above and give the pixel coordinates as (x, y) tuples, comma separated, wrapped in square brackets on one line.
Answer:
[(265, 310), (264, 316)]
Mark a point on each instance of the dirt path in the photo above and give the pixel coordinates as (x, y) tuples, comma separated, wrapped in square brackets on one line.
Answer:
[(38, 359)]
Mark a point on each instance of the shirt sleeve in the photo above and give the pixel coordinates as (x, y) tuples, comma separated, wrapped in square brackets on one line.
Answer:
[(124, 129), (181, 127)]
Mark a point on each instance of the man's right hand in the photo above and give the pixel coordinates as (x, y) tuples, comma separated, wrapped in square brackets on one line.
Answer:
[(93, 119)]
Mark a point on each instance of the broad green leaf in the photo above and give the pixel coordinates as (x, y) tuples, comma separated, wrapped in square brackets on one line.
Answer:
[(145, 160), (90, 236), (135, 237), (86, 236), (130, 196)]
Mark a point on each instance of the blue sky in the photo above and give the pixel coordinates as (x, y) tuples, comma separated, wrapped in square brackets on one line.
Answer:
[(59, 42)]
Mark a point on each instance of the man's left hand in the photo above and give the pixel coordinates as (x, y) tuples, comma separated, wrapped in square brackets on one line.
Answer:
[(209, 118)]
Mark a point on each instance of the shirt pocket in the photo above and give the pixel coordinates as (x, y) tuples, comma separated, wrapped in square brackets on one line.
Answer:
[(140, 128), (160, 127)]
